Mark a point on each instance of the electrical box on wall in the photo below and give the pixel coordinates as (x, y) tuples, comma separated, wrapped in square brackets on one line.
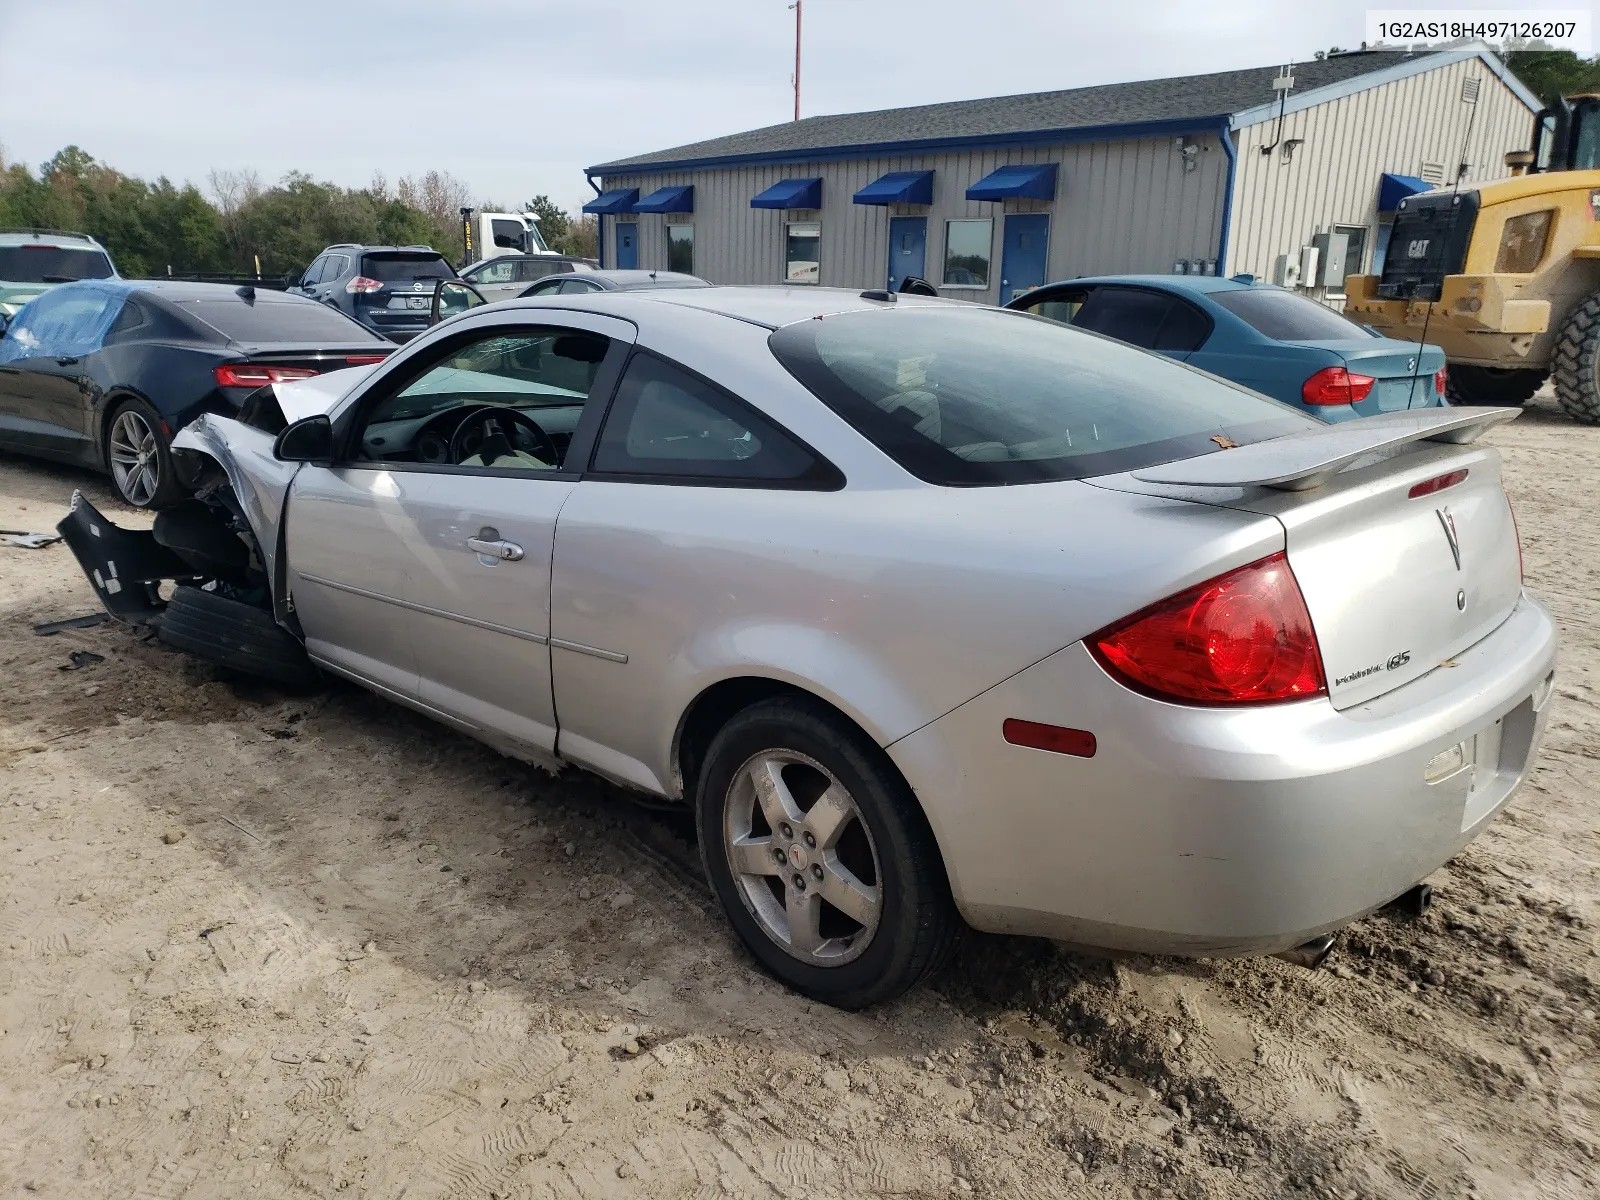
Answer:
[(1332, 247), (1286, 271), (1310, 258)]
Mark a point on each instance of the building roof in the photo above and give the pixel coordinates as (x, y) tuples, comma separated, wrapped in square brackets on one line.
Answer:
[(1150, 103), (1149, 100)]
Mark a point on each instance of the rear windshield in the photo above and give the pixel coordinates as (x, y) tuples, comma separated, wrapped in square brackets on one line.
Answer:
[(972, 396), (1286, 317), (280, 320), (52, 264), (403, 268)]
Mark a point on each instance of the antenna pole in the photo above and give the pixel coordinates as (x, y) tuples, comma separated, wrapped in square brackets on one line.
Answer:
[(796, 6)]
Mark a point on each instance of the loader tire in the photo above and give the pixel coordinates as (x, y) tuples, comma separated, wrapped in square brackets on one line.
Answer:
[(235, 635), (1576, 366), (1509, 387)]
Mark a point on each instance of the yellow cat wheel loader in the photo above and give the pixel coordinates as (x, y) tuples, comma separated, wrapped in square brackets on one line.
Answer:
[(1505, 276)]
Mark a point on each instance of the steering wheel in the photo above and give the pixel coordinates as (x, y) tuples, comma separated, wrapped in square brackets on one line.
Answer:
[(486, 421)]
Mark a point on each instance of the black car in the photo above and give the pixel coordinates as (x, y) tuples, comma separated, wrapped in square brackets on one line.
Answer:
[(102, 373), (389, 289)]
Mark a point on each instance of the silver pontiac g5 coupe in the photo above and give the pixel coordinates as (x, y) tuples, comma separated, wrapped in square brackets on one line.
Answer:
[(933, 613)]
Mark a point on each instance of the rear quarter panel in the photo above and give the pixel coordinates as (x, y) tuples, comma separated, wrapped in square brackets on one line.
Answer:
[(894, 604)]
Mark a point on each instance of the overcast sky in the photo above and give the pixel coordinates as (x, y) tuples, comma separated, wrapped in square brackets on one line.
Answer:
[(516, 97)]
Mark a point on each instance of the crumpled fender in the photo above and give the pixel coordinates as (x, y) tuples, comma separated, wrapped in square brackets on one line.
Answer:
[(260, 482)]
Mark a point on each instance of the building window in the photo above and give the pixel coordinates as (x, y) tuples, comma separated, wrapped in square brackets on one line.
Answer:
[(680, 248), (1355, 248), (803, 253), (967, 245)]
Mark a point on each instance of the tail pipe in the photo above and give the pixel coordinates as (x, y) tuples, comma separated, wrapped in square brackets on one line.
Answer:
[(1309, 955)]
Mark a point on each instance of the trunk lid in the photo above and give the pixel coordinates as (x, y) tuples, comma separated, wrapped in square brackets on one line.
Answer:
[(1404, 371), (1396, 584)]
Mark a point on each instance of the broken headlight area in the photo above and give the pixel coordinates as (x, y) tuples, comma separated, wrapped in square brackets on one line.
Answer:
[(192, 543)]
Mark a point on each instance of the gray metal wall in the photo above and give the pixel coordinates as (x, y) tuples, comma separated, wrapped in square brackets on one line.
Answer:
[(1332, 178), (1120, 206)]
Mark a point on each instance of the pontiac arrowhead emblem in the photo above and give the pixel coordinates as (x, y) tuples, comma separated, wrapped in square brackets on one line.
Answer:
[(1449, 523)]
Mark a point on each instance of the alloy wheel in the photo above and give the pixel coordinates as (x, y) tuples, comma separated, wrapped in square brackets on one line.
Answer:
[(802, 857), (135, 458)]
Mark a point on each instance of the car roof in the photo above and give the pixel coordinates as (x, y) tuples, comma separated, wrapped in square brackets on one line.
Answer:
[(342, 247), (768, 305), (624, 280), (1202, 284), (40, 235), (178, 291)]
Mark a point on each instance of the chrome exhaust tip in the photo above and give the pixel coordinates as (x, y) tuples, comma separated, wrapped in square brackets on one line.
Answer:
[(1309, 955)]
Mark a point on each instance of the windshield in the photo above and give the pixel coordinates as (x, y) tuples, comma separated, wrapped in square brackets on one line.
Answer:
[(280, 320), (1285, 317), (403, 268), (52, 264), (963, 396)]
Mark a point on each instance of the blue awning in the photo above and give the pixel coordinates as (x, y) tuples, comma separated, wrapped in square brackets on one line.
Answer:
[(898, 187), (613, 202), (1394, 188), (668, 199), (1034, 182), (791, 193)]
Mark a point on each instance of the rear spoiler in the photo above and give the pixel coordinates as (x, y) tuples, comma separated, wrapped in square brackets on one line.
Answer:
[(1303, 461)]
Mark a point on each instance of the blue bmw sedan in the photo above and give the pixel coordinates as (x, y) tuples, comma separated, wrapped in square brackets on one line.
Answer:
[(1266, 338)]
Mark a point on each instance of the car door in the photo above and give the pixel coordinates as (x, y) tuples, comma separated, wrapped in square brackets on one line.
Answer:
[(678, 464), (46, 391), (304, 285), (497, 280), (421, 561)]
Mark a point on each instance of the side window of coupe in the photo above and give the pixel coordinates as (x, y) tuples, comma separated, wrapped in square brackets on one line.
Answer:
[(1059, 306), (509, 399), (667, 422)]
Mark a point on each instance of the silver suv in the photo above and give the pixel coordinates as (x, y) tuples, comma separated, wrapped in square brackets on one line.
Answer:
[(35, 260)]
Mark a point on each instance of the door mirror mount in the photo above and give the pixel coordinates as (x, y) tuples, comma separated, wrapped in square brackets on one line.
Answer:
[(453, 296), (308, 440)]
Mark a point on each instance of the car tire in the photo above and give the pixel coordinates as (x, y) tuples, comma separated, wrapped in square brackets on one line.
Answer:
[(1510, 387), (857, 835), (138, 457), (236, 635), (1576, 365)]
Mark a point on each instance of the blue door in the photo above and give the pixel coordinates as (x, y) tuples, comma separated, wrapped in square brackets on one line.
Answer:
[(1022, 262), (908, 249), (628, 246)]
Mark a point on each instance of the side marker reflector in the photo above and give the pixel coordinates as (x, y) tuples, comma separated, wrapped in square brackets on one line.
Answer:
[(1078, 742)]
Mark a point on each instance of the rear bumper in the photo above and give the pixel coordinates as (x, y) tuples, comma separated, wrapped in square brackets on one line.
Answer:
[(1215, 831)]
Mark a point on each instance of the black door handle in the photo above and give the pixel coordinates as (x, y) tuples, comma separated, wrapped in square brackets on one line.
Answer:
[(66, 360)]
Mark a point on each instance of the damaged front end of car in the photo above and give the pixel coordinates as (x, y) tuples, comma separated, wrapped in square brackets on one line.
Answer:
[(207, 574)]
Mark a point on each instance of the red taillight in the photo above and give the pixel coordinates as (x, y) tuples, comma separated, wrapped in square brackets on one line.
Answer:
[(361, 285), (254, 375), (1441, 379), (1437, 484), (1242, 638), (362, 360), (1335, 385), (1055, 738)]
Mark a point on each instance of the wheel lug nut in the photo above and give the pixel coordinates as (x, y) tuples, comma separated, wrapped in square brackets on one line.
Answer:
[(783, 828), (811, 840), (816, 872), (799, 883), (777, 853)]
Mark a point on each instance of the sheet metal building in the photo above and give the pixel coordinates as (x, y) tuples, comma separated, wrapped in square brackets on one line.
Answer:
[(1207, 173)]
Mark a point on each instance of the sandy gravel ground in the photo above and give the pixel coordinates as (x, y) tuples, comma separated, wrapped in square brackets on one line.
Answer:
[(261, 944)]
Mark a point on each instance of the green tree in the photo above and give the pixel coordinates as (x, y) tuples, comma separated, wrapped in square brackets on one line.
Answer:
[(1552, 74), (554, 224)]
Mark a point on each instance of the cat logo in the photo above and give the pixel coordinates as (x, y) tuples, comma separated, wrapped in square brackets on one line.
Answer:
[(1417, 248)]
